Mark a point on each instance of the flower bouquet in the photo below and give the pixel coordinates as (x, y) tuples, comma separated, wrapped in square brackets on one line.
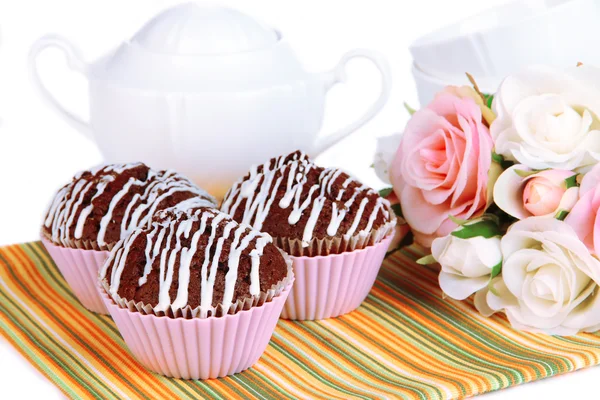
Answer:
[(505, 191)]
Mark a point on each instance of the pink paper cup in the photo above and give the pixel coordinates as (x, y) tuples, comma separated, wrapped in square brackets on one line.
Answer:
[(333, 285), (80, 269), (198, 348)]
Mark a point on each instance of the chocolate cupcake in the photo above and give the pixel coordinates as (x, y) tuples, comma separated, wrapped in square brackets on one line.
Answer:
[(336, 229), (309, 210), (99, 207), (90, 214), (201, 287), (198, 265)]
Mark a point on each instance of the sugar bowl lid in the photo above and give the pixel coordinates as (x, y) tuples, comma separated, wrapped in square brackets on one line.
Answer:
[(193, 47), (194, 29)]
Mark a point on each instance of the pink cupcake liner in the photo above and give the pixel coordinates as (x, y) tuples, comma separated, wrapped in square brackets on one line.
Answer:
[(198, 348), (333, 285), (80, 269)]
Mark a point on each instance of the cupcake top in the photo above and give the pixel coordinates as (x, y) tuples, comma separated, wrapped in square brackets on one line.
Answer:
[(290, 197), (204, 261), (99, 207)]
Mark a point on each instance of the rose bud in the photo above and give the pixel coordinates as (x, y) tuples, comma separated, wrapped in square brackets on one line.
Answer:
[(523, 193)]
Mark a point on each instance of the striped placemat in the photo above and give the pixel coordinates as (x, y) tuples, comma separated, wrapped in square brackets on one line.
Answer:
[(404, 342)]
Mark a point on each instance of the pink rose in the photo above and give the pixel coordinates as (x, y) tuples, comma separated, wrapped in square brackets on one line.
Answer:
[(542, 195), (442, 165), (522, 192), (584, 218)]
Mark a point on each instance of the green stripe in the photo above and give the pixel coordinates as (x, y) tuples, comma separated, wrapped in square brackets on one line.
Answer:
[(198, 387), (264, 382), (241, 379)]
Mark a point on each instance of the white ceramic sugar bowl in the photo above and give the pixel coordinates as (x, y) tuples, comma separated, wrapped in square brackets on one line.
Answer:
[(205, 90)]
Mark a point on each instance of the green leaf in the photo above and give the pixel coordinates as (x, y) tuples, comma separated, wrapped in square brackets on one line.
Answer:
[(408, 108), (397, 210), (561, 215), (385, 192), (426, 260), (489, 99), (496, 269), (571, 181), (497, 158), (486, 229)]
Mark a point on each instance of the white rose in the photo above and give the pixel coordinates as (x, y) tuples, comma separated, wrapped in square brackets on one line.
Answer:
[(549, 280), (548, 118), (387, 147), (467, 263)]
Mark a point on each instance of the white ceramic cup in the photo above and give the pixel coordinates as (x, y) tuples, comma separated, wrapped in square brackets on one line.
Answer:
[(428, 86), (505, 39)]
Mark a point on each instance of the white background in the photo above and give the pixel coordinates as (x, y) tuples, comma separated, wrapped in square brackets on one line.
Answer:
[(38, 152)]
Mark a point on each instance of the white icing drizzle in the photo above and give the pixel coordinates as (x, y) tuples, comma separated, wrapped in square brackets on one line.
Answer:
[(164, 247), (140, 210), (85, 213), (259, 199), (119, 263), (207, 275), (107, 218)]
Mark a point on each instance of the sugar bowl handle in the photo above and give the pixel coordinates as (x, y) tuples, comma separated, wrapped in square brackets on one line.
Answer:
[(338, 75), (75, 62)]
